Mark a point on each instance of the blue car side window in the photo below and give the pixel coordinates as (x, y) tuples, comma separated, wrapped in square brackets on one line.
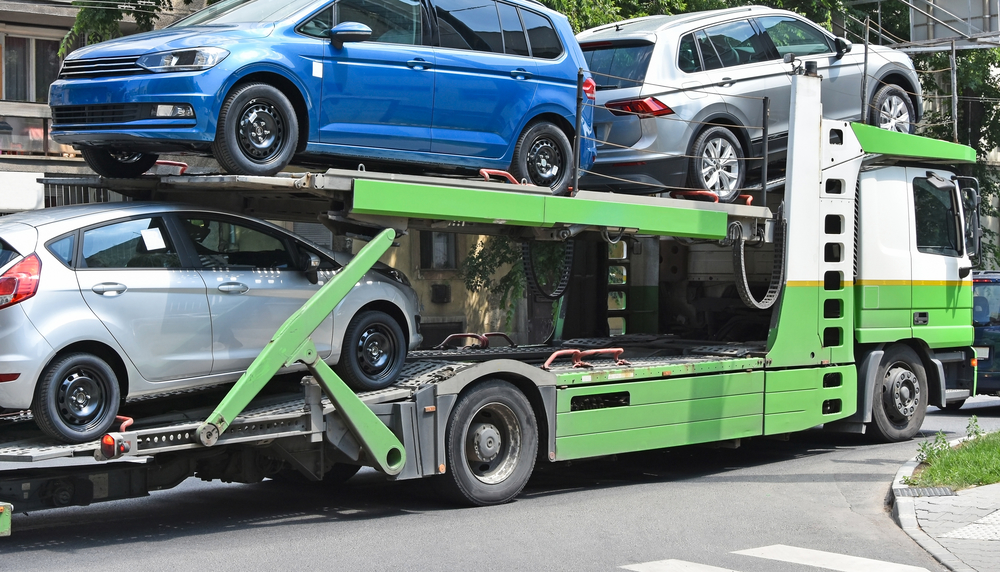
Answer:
[(391, 21), (469, 25), (542, 36)]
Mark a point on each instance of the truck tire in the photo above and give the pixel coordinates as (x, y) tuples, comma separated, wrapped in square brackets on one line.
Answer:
[(257, 131), (543, 156), (118, 165), (373, 352), (490, 445), (717, 164), (76, 399), (892, 109), (899, 402)]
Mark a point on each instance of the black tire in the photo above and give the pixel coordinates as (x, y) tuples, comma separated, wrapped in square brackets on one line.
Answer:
[(892, 109), (490, 445), (954, 405), (257, 131), (543, 156), (77, 398), (717, 164), (899, 399), (373, 352), (118, 165)]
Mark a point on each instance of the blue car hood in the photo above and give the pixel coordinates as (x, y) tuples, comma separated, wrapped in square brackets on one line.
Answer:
[(173, 39)]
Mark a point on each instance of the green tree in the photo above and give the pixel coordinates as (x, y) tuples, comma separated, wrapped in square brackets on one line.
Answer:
[(99, 20)]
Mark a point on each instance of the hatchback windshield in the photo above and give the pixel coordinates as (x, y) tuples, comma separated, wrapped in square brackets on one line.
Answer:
[(243, 12)]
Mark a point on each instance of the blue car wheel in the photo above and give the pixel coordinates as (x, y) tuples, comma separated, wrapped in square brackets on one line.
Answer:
[(257, 131), (117, 165), (544, 157)]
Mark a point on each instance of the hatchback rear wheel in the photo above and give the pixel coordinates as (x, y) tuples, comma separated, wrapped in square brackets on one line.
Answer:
[(257, 131), (543, 156), (77, 398), (717, 164)]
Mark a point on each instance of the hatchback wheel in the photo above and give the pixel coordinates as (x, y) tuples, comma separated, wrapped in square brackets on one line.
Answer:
[(543, 156), (77, 398), (892, 109), (373, 353), (118, 165), (717, 164), (257, 131)]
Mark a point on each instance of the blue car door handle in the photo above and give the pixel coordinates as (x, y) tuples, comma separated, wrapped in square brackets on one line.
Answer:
[(233, 287), (418, 64), (520, 73), (109, 288)]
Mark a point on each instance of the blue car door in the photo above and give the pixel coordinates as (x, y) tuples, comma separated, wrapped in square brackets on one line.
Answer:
[(379, 93), (485, 79)]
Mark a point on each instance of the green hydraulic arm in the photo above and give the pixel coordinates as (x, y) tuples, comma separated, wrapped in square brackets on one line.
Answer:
[(291, 343)]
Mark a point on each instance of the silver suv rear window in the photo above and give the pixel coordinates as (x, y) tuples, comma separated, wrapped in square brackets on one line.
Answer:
[(618, 66)]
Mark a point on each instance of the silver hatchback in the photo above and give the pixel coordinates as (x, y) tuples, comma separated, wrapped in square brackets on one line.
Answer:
[(103, 302), (680, 98)]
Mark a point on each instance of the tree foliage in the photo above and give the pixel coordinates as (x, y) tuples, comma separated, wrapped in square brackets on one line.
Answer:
[(99, 20)]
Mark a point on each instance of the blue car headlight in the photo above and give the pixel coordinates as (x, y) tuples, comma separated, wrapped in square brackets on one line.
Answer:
[(195, 59)]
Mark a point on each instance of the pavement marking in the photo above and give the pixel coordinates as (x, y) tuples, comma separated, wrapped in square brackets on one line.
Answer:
[(673, 566), (828, 560), (986, 528)]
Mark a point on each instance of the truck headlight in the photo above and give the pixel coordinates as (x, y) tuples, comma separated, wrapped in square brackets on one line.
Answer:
[(196, 59)]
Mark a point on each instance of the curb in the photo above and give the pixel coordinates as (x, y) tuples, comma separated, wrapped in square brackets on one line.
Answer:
[(905, 515)]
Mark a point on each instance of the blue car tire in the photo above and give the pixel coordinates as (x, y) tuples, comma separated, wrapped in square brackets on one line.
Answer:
[(257, 131), (543, 156), (117, 165)]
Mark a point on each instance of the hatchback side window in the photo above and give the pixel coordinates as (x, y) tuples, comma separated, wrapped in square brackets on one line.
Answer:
[(139, 243), (220, 243), (391, 21), (470, 25), (514, 41), (62, 248), (792, 36), (737, 43), (542, 36), (687, 55)]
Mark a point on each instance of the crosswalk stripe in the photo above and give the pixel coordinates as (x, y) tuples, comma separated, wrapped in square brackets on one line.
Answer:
[(828, 560), (673, 566)]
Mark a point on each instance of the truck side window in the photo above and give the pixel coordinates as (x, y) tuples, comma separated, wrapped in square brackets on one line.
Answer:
[(936, 214)]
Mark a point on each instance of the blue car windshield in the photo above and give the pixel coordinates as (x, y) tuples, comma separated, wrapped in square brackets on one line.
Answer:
[(243, 12)]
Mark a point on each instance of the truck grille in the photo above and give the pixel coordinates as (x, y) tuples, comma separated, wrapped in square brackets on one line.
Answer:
[(94, 114), (100, 67)]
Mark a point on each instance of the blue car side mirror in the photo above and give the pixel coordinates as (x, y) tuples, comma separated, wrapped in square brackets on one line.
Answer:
[(348, 32)]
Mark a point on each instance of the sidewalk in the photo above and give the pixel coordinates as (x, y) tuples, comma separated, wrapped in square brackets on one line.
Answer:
[(961, 530)]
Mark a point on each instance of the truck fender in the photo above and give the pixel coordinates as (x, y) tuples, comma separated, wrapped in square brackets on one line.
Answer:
[(867, 372), (936, 387)]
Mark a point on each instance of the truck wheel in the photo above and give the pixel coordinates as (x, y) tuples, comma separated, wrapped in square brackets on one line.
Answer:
[(118, 165), (899, 402), (717, 164), (544, 157), (490, 445), (892, 109), (373, 353), (257, 131), (77, 398)]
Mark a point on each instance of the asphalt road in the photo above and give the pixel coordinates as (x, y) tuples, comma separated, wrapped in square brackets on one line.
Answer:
[(691, 507)]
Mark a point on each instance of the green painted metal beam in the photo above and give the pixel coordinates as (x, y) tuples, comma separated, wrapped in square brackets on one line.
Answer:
[(291, 343), (6, 510), (398, 199), (905, 146)]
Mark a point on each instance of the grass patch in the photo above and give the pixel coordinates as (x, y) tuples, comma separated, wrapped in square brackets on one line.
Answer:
[(975, 462)]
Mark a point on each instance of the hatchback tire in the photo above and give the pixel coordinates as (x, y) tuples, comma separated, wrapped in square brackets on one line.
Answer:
[(717, 164), (891, 109), (373, 353), (257, 131), (118, 165), (543, 156), (77, 398)]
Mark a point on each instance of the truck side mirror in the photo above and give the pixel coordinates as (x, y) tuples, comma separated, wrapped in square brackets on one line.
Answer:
[(348, 32), (973, 231), (843, 46)]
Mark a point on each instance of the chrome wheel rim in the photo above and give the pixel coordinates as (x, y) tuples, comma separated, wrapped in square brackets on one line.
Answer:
[(893, 115), (900, 393), (720, 167)]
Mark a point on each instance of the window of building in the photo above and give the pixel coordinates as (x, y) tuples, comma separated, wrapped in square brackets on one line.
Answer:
[(30, 65), (437, 251)]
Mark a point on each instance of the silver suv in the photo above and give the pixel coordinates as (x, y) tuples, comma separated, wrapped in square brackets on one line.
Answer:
[(103, 302), (680, 98)]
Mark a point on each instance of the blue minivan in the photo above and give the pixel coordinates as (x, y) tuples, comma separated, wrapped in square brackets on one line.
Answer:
[(435, 84)]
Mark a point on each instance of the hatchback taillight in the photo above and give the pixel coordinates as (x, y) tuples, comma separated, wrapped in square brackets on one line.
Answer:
[(590, 88), (20, 282), (648, 107)]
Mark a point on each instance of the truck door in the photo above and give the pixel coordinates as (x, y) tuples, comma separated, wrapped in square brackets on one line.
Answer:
[(942, 308)]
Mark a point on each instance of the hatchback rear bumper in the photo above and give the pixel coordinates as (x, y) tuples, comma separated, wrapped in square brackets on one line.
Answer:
[(25, 353)]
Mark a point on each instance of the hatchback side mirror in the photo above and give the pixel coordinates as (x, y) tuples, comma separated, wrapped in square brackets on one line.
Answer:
[(311, 267), (349, 32), (843, 46)]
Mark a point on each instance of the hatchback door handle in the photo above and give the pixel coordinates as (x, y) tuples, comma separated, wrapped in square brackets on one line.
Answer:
[(418, 64), (520, 73), (109, 288), (726, 82), (233, 287)]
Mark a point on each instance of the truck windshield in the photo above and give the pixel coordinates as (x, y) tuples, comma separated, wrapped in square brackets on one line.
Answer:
[(243, 12), (986, 303)]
